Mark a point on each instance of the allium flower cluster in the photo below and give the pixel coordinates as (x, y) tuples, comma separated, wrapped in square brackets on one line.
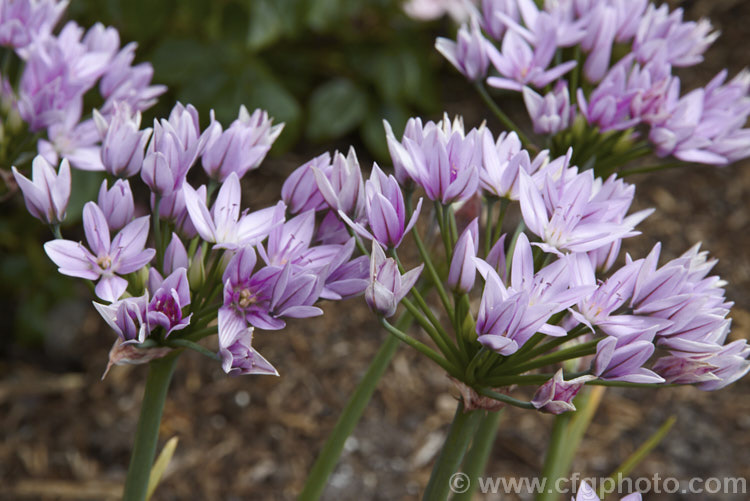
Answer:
[(551, 290), (518, 42)]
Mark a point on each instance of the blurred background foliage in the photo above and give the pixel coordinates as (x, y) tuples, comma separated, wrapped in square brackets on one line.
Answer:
[(327, 68), (331, 70)]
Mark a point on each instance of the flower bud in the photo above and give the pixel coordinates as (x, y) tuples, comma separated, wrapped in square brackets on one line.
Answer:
[(116, 204)]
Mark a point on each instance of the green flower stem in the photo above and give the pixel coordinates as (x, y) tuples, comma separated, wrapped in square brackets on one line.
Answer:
[(505, 398), (436, 331), (432, 272), (479, 453), (463, 326), (199, 334), (204, 291), (451, 223), (586, 404), (640, 453), (329, 455), (553, 459), (156, 227), (581, 350), (190, 345), (460, 433), (489, 205), (566, 438), (494, 108), (478, 358), (56, 230), (528, 379), (422, 348), (504, 203), (446, 347), (652, 168), (147, 434), (444, 231)]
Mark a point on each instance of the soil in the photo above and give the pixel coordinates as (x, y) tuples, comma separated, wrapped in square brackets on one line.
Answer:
[(66, 434)]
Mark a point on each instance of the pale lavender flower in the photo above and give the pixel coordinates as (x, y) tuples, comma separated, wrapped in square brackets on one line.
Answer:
[(172, 208), (175, 256), (224, 226), (174, 147), (332, 230), (707, 124), (288, 242), (622, 359), (23, 21), (681, 292), (385, 209), (346, 277), (300, 191), (556, 395), (509, 316), (235, 348), (586, 493), (342, 186), (427, 10), (73, 140), (502, 161), (682, 42), (242, 147), (168, 299), (603, 307), (124, 83), (629, 94), (116, 203), (122, 255), (262, 298), (557, 18), (521, 65), (123, 144), (492, 24), (462, 272), (445, 161), (403, 165), (728, 365), (573, 212), (468, 53), (47, 193), (598, 41), (387, 286), (128, 317), (552, 113)]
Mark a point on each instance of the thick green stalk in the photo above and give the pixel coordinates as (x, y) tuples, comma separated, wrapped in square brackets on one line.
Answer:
[(479, 453), (553, 459), (461, 430), (563, 448), (147, 434), (329, 455)]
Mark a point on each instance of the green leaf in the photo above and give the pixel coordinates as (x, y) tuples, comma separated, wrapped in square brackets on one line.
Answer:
[(145, 19), (373, 133), (335, 108), (266, 24)]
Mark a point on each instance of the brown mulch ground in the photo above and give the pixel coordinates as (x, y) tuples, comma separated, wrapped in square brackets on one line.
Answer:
[(64, 434)]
